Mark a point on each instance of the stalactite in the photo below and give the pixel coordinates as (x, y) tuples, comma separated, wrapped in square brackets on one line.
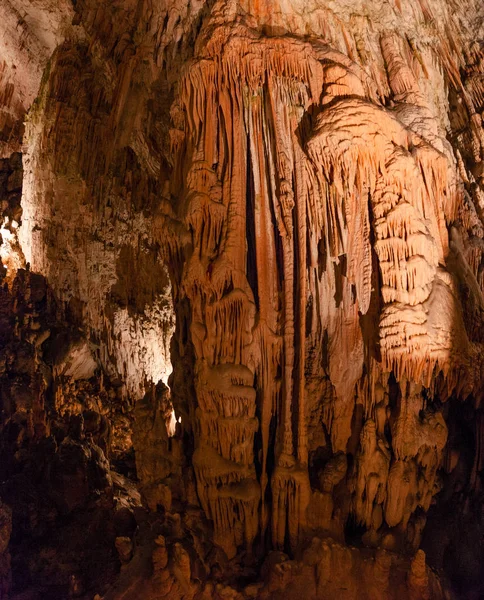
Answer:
[(361, 171)]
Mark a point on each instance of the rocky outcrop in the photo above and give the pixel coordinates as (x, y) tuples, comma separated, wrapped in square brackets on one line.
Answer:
[(274, 208)]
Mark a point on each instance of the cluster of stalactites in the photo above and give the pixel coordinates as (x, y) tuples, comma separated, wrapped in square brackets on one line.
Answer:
[(365, 157), (243, 103), (240, 140)]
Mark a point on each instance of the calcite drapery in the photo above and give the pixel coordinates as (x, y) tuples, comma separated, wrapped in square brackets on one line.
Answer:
[(292, 167)]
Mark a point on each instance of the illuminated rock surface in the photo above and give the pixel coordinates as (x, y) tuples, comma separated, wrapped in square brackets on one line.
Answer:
[(241, 303)]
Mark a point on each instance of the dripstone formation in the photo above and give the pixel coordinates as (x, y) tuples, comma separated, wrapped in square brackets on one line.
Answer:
[(241, 302)]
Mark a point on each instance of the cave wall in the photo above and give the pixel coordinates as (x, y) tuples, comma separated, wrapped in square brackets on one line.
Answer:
[(87, 197), (282, 201), (30, 32)]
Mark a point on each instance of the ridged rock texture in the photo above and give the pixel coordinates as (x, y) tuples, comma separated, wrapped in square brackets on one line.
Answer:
[(242, 310)]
